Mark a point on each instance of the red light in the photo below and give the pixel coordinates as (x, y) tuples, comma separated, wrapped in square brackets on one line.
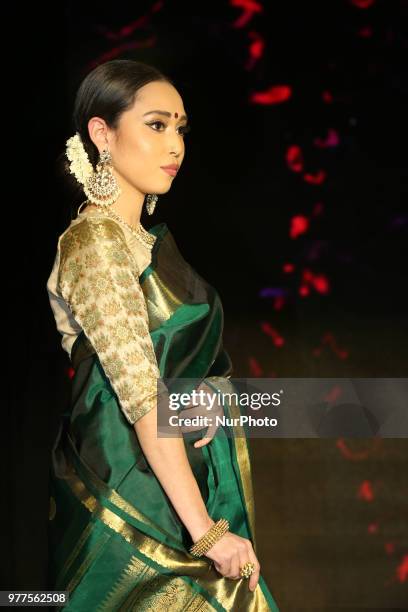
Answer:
[(365, 491), (315, 179), (294, 158), (274, 95), (327, 97), (254, 367), (299, 225), (362, 4), (321, 284)]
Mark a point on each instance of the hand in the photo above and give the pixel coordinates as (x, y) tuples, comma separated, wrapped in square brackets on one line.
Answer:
[(230, 553), (200, 409)]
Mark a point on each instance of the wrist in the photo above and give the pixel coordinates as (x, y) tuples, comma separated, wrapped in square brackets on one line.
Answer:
[(198, 531), (207, 541)]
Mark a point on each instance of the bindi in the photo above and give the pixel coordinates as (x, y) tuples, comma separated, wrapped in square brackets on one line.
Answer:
[(165, 113)]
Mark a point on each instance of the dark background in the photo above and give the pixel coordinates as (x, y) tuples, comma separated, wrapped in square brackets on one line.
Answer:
[(330, 513)]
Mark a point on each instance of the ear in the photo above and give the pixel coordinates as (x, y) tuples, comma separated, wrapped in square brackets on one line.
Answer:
[(98, 133)]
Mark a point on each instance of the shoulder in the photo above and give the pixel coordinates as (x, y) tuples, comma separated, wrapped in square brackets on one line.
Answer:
[(97, 232), (94, 249)]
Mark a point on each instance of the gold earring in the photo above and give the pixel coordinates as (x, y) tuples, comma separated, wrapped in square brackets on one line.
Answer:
[(101, 188), (151, 202)]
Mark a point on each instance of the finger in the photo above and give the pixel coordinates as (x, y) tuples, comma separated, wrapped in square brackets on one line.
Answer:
[(209, 433), (226, 569), (235, 575), (190, 413), (222, 568), (212, 428), (192, 410), (202, 442), (209, 436), (243, 558), (240, 558), (187, 428), (253, 579), (195, 409)]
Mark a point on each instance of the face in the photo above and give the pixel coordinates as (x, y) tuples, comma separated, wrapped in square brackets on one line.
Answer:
[(145, 140)]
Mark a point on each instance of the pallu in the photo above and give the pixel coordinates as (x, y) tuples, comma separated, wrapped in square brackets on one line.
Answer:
[(115, 540)]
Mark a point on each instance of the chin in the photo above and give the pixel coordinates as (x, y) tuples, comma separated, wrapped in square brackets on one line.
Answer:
[(163, 189)]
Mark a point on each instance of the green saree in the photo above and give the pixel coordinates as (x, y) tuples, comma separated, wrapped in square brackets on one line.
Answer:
[(115, 540)]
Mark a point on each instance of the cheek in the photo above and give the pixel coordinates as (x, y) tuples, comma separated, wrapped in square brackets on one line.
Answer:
[(144, 155), (135, 152), (135, 141)]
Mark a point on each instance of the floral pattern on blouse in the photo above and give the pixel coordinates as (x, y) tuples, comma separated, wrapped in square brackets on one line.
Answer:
[(99, 279)]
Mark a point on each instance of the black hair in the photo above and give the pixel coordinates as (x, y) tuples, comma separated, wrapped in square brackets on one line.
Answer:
[(107, 91)]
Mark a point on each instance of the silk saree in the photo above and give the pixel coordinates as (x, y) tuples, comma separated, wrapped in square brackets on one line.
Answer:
[(115, 540)]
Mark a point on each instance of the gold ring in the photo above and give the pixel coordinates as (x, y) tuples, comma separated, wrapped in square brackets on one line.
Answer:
[(247, 569)]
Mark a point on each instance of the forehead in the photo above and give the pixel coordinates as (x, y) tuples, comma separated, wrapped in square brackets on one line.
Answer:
[(159, 95)]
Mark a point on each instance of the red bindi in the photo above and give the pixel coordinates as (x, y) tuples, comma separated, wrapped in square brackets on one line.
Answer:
[(176, 115)]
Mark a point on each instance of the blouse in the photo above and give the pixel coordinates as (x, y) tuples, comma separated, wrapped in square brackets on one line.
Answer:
[(94, 286)]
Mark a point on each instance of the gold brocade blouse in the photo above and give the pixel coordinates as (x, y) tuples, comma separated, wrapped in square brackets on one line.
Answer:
[(94, 286)]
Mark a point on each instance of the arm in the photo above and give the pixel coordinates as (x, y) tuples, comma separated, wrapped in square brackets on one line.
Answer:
[(168, 459), (99, 280)]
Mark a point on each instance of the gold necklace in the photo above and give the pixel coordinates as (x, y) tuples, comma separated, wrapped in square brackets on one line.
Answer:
[(140, 232)]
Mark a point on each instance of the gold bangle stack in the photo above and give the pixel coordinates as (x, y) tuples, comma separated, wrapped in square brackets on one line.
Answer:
[(208, 540)]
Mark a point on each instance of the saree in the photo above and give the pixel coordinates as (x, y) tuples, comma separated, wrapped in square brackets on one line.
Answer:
[(115, 540)]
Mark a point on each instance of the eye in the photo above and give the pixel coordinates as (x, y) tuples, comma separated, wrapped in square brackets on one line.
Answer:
[(184, 129)]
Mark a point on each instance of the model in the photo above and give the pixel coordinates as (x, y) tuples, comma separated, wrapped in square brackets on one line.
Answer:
[(141, 521)]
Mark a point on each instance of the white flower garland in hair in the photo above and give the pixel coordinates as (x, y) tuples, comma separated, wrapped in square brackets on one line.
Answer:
[(80, 165)]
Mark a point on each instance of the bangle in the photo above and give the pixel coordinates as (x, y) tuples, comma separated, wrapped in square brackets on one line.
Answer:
[(208, 540)]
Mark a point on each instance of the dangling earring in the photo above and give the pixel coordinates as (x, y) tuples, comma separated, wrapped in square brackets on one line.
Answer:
[(151, 202), (101, 188)]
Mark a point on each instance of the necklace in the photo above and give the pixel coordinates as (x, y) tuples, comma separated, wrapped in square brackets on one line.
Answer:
[(139, 232)]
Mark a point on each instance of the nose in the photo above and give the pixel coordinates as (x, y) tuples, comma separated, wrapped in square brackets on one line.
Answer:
[(175, 153), (176, 145)]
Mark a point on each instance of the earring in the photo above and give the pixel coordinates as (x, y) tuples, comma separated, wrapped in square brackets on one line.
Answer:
[(151, 202), (101, 188)]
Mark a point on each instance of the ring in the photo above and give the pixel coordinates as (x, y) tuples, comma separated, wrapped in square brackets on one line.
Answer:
[(247, 569)]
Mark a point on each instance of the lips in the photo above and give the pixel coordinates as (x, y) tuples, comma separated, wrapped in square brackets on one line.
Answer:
[(171, 166), (172, 169)]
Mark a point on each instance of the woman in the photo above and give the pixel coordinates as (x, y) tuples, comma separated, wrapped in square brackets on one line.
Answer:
[(139, 520)]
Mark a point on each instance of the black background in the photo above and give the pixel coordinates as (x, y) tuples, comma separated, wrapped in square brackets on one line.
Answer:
[(229, 211)]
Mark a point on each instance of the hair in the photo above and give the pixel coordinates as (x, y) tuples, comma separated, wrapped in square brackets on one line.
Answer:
[(107, 91)]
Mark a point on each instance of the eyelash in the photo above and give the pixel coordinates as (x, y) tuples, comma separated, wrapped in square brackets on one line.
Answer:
[(185, 128)]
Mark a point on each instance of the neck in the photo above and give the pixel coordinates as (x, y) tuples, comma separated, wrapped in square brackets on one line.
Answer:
[(129, 204)]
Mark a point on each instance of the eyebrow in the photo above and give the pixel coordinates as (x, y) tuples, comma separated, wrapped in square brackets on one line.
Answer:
[(166, 113)]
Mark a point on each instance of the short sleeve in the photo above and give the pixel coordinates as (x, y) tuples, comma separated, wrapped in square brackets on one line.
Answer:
[(99, 280)]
